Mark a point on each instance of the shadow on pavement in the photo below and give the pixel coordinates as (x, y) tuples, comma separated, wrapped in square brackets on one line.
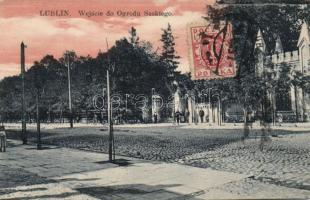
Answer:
[(119, 162), (13, 177), (135, 191), (77, 179), (116, 192), (10, 190), (55, 196), (42, 148)]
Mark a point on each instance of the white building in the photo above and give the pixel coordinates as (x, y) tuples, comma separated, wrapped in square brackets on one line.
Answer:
[(293, 100)]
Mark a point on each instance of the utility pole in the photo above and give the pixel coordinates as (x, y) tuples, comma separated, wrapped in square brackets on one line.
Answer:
[(109, 118), (69, 88), (110, 122), (22, 55)]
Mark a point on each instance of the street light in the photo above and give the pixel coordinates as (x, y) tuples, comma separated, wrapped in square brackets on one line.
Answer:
[(22, 55), (67, 61)]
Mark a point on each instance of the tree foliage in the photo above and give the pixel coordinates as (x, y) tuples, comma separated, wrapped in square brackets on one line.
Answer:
[(135, 68)]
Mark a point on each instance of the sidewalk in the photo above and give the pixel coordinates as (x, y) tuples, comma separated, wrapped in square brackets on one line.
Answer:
[(61, 173), (73, 174), (284, 126)]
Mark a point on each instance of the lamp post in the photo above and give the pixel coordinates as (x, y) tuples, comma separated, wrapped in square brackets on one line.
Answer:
[(109, 118), (39, 146), (22, 54), (67, 54), (110, 113)]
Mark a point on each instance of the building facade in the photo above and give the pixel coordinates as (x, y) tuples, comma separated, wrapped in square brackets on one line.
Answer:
[(288, 103), (291, 100)]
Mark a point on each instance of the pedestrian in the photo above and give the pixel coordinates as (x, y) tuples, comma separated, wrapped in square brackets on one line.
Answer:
[(117, 116), (177, 116), (265, 136), (120, 117), (201, 114), (196, 118), (2, 139), (246, 129), (280, 119), (155, 117), (187, 114)]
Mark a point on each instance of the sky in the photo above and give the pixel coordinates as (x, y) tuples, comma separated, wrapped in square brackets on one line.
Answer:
[(25, 20)]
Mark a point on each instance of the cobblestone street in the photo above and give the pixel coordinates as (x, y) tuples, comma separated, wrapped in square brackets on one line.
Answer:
[(63, 173), (284, 161), (280, 170), (168, 143)]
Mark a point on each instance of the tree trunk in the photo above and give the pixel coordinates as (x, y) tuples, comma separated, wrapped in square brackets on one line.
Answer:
[(38, 122), (49, 112), (274, 108), (245, 115), (303, 105), (60, 117), (86, 116)]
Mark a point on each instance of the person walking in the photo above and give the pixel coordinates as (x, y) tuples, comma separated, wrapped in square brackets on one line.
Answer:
[(187, 114), (2, 139), (177, 116), (155, 117), (201, 114)]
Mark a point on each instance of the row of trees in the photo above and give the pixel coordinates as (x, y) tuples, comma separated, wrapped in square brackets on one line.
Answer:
[(135, 68)]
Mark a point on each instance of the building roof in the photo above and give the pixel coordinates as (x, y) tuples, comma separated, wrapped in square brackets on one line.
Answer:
[(260, 43), (279, 47)]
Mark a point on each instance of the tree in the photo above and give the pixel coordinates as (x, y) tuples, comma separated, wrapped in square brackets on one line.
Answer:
[(133, 38), (137, 69), (297, 82), (55, 88), (169, 55), (273, 20), (38, 75), (170, 58), (69, 60)]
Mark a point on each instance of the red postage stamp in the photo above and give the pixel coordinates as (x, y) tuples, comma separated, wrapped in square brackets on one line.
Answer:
[(211, 52)]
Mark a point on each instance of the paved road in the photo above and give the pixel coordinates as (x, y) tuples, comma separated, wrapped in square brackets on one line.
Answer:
[(62, 173), (156, 143), (285, 160), (282, 165)]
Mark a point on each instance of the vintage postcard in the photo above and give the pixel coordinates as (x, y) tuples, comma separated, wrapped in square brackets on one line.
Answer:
[(154, 99)]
